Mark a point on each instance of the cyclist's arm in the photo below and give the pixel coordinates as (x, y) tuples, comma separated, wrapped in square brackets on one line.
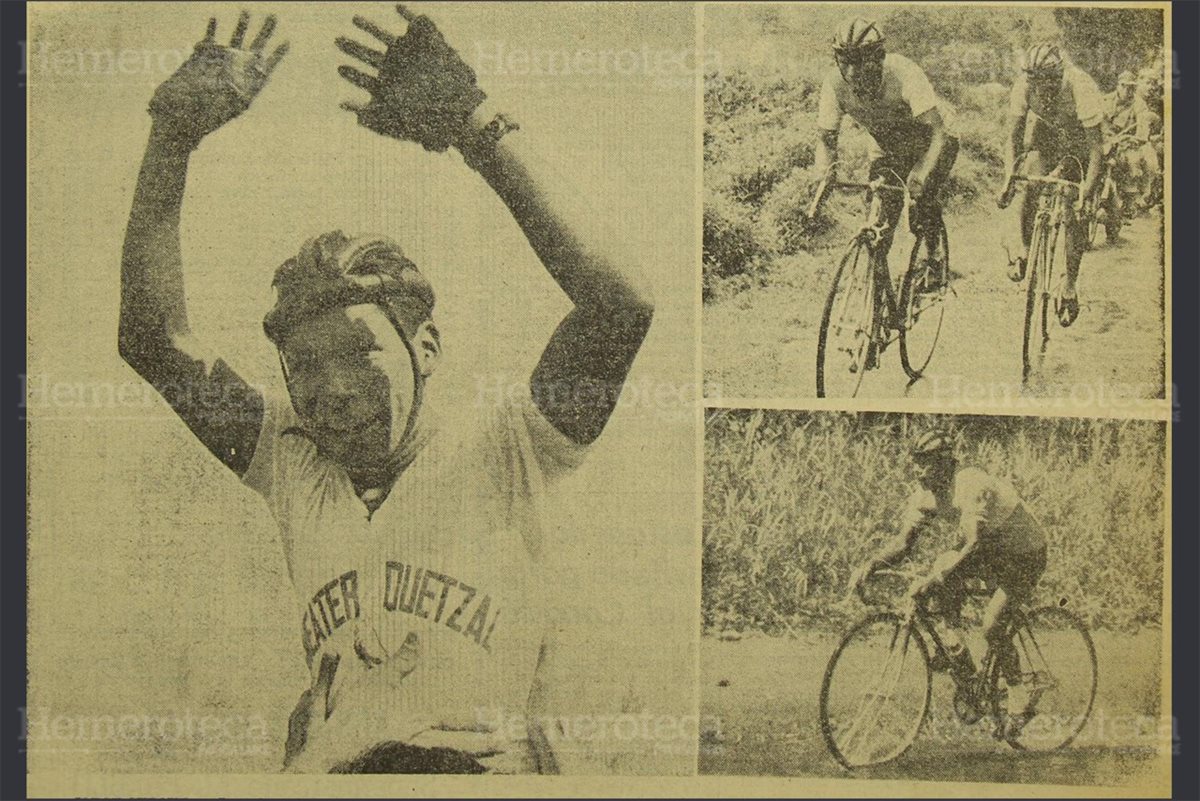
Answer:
[(913, 521), (829, 119), (963, 554), (585, 364), (154, 337), (827, 143), (1095, 143), (1018, 112), (1016, 141)]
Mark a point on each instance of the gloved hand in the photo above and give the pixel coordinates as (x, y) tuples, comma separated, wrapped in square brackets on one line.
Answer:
[(216, 84), (423, 92)]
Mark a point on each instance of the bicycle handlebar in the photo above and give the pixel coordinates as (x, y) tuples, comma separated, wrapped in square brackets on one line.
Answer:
[(828, 185), (1046, 179)]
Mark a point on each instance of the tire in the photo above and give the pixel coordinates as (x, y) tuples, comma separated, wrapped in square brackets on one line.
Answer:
[(880, 633), (849, 305), (1036, 301), (928, 308), (1055, 641)]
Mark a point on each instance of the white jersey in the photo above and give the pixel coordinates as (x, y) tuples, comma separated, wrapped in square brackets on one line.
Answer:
[(434, 603)]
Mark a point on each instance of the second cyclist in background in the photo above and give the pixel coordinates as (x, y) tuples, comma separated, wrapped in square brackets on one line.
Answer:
[(1055, 112)]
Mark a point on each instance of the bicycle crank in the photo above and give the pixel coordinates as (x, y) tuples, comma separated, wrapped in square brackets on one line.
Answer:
[(966, 705)]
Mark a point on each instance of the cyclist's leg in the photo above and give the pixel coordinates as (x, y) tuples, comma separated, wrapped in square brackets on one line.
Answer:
[(1040, 146), (1152, 173), (927, 217), (1075, 240), (946, 602), (1017, 583), (889, 166), (930, 208)]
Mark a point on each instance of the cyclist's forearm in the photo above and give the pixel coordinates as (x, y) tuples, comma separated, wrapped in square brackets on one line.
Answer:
[(937, 144), (152, 297), (1016, 135), (894, 550), (826, 154)]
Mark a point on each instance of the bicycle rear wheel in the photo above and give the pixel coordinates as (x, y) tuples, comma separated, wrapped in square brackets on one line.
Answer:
[(922, 301), (844, 339), (1037, 301), (1057, 668), (876, 691)]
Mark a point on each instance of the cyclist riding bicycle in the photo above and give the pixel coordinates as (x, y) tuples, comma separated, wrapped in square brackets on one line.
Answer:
[(910, 126), (1055, 112), (1002, 545), (1126, 113)]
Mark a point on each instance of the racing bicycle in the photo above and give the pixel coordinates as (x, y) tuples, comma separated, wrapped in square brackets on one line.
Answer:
[(876, 692), (864, 312), (1046, 241)]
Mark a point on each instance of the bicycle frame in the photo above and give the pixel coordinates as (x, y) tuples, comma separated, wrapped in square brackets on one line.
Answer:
[(883, 295), (1049, 219)]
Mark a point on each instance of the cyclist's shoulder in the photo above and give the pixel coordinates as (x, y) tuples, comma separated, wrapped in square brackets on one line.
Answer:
[(1081, 88), (1076, 77), (903, 71)]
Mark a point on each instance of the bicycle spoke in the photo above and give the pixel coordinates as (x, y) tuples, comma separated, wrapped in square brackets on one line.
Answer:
[(1057, 674)]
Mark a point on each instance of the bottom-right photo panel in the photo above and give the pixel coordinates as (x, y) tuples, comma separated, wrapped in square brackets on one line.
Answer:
[(949, 598)]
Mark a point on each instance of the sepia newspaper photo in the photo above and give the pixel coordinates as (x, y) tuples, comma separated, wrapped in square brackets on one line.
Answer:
[(361, 392), (598, 399), (936, 598), (947, 202)]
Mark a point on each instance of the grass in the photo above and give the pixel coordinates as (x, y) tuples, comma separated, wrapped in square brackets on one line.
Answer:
[(794, 501)]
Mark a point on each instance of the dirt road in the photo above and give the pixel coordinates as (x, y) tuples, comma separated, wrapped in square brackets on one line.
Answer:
[(761, 343), (759, 695)]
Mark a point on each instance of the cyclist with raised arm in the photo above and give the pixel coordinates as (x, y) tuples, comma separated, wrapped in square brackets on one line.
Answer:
[(1055, 113), (910, 126), (416, 550), (1001, 544)]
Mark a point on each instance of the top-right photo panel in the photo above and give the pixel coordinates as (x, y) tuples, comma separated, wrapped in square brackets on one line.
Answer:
[(945, 202)]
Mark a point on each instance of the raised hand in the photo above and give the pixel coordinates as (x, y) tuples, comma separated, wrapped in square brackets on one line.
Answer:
[(217, 83), (422, 91)]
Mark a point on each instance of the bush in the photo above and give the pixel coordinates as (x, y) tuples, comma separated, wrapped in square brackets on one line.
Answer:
[(731, 246), (794, 501)]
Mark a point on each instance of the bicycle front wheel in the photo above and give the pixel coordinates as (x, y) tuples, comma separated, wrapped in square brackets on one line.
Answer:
[(876, 691), (844, 339), (1055, 680), (922, 300), (1037, 300)]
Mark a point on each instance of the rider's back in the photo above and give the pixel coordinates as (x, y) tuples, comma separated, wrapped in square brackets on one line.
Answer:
[(1004, 525)]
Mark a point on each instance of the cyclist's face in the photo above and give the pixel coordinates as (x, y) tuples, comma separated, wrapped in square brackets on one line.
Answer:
[(1125, 92), (351, 381), (864, 73)]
